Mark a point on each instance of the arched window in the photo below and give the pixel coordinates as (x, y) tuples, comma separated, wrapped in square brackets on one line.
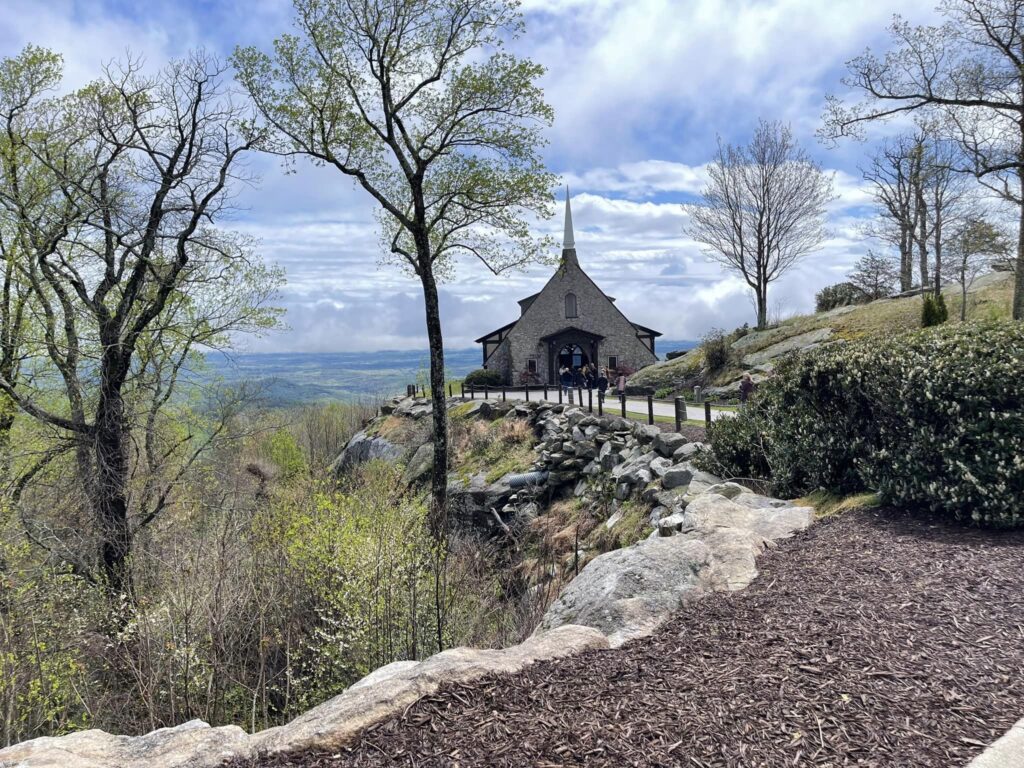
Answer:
[(570, 305)]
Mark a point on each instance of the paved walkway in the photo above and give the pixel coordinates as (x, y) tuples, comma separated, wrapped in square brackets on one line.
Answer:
[(635, 406)]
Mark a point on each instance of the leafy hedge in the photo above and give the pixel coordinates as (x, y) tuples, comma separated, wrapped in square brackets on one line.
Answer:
[(931, 420), (483, 377)]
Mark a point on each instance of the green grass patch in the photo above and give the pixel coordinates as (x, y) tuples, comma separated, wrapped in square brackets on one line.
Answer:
[(829, 504)]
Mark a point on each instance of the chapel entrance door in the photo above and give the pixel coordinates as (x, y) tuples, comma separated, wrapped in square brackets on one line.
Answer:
[(572, 356)]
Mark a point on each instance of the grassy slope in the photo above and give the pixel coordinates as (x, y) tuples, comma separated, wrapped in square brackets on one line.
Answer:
[(990, 300)]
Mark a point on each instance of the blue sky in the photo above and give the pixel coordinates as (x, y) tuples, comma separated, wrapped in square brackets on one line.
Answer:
[(641, 89)]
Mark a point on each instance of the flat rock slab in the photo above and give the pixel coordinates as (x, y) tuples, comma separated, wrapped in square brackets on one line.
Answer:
[(792, 344), (191, 745), (1006, 752)]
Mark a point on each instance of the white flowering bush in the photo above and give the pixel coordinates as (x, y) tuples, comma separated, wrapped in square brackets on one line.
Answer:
[(931, 420)]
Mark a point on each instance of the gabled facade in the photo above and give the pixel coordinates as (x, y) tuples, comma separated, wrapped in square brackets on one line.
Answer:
[(570, 322)]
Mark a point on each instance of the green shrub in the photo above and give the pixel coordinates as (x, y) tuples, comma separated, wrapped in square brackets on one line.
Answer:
[(715, 346), (933, 311), (838, 295), (930, 420), (483, 377)]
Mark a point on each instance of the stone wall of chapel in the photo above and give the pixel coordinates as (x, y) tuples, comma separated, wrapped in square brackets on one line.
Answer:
[(546, 315)]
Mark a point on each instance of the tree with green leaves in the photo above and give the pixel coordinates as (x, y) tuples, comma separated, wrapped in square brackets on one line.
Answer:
[(419, 104), (966, 77), (115, 191)]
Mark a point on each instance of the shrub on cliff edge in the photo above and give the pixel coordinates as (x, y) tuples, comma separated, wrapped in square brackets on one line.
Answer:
[(931, 420)]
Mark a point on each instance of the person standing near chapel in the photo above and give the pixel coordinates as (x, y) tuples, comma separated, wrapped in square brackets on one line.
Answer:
[(565, 379), (602, 383), (620, 384)]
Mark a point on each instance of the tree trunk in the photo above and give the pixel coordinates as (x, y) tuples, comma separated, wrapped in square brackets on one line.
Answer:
[(1018, 283), (761, 296), (438, 519), (963, 297), (112, 470), (937, 247), (906, 259), (922, 243)]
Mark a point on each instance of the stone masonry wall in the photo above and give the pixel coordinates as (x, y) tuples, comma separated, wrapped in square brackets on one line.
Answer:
[(546, 315)]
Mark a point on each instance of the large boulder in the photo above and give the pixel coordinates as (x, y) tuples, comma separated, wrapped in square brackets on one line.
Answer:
[(710, 511), (191, 745), (627, 593), (365, 447), (711, 545), (470, 505), (666, 443), (420, 464)]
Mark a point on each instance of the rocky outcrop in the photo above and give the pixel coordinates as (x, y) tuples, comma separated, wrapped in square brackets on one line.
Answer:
[(365, 447), (799, 343), (191, 745), (711, 546)]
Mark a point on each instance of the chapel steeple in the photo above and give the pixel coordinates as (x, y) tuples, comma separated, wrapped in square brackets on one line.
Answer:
[(568, 239)]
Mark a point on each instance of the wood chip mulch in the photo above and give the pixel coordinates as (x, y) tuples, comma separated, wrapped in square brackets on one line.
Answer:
[(871, 640)]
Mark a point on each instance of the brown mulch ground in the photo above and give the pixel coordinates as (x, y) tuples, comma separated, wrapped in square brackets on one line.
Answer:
[(871, 640)]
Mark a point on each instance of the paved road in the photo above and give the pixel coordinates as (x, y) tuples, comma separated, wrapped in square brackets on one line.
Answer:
[(634, 406)]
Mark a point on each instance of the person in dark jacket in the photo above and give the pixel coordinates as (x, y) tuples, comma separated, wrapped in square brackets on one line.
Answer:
[(747, 387), (565, 379), (591, 374), (602, 383)]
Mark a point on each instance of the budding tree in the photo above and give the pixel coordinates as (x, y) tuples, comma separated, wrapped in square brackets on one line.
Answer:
[(966, 77), (126, 273), (419, 105)]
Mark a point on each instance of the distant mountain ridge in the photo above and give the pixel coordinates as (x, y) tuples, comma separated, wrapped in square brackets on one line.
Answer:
[(293, 378)]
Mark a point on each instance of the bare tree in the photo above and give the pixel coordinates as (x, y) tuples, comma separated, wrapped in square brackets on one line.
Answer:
[(416, 102), (891, 173), (134, 277), (763, 210), (968, 76), (974, 245), (874, 275)]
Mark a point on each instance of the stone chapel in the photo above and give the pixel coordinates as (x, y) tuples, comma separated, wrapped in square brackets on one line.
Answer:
[(571, 322)]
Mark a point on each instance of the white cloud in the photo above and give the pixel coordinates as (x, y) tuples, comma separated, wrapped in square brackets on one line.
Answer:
[(641, 89)]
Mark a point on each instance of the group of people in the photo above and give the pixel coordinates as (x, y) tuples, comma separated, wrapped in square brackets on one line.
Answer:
[(589, 377)]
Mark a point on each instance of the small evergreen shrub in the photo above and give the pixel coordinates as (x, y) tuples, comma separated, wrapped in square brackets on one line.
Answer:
[(933, 311), (715, 346), (838, 295), (930, 420), (483, 377)]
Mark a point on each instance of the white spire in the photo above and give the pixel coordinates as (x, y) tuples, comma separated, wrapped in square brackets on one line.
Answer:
[(568, 242)]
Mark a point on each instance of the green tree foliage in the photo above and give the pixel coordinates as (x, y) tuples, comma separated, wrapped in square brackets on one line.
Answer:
[(930, 420), (874, 275), (933, 311), (420, 105), (112, 193), (838, 295)]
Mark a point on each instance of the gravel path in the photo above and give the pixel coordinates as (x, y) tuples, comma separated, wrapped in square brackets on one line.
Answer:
[(870, 640)]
